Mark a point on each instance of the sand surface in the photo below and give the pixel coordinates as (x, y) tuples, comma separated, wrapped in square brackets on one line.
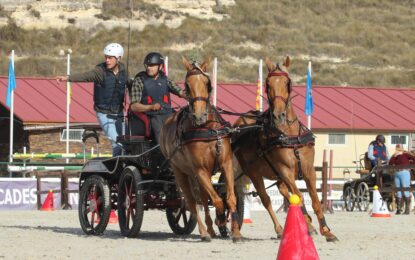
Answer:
[(57, 235)]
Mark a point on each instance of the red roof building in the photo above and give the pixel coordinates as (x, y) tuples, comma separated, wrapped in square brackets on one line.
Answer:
[(345, 119), (40, 100)]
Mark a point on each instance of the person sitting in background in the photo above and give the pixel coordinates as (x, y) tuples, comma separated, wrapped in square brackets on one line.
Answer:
[(377, 149), (402, 177)]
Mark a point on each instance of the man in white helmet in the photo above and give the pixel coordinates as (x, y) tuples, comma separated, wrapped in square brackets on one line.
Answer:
[(110, 80)]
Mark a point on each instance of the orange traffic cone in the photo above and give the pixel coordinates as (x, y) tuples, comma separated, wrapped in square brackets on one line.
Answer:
[(48, 203), (113, 217), (296, 242), (380, 209)]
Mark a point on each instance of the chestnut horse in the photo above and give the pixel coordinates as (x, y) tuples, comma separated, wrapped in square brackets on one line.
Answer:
[(282, 150), (196, 140)]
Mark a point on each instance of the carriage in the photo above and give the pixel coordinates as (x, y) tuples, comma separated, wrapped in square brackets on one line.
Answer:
[(357, 193), (132, 183)]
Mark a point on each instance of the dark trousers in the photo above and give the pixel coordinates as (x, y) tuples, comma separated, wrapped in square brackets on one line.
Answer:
[(157, 122)]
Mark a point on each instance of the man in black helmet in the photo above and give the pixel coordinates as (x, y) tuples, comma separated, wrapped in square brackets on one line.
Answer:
[(377, 149), (150, 93)]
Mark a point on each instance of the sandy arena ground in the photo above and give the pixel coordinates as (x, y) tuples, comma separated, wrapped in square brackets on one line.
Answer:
[(57, 235)]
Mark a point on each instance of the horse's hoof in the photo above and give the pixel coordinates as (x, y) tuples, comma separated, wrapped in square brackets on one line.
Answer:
[(206, 239), (236, 239), (332, 238), (224, 232), (279, 236)]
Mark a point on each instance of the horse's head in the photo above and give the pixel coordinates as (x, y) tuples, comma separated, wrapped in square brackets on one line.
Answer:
[(198, 88), (278, 88)]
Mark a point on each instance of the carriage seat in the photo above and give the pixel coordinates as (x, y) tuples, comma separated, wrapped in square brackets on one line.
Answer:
[(139, 124), (366, 166), (367, 163), (137, 138)]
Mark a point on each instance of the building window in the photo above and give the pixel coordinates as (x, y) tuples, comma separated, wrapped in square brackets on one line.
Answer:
[(337, 138), (75, 135), (398, 139)]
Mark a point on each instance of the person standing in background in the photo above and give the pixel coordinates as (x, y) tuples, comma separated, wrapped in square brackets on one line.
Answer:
[(110, 81), (402, 178)]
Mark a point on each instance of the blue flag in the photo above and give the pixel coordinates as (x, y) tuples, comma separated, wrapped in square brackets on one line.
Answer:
[(309, 105), (11, 84)]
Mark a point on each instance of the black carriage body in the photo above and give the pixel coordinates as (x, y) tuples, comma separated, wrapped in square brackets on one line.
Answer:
[(130, 184), (358, 192), (157, 179)]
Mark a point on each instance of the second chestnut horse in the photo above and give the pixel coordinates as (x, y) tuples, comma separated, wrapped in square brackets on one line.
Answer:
[(282, 149)]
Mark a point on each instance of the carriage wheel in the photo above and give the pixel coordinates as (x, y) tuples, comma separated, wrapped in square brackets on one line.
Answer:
[(349, 197), (362, 196), (130, 203), (181, 220), (94, 205)]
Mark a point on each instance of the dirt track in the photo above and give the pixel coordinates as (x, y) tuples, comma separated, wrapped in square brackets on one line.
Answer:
[(57, 235)]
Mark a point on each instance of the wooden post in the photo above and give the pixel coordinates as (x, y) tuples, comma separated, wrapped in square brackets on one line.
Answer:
[(39, 188), (330, 202), (64, 191), (324, 188)]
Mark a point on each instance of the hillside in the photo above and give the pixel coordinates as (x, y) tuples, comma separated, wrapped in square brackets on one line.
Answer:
[(363, 43)]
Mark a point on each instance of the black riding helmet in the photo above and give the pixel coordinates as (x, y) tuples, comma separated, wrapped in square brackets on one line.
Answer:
[(380, 139), (153, 58)]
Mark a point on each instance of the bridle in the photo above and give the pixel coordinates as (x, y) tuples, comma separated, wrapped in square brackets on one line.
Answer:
[(278, 72), (196, 70)]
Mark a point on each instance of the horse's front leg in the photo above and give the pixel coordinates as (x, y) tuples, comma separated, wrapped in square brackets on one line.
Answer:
[(310, 180), (227, 168), (182, 181), (258, 183), (285, 192), (205, 182), (208, 220)]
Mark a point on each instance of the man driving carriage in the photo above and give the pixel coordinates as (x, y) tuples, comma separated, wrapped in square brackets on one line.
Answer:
[(150, 93), (377, 150)]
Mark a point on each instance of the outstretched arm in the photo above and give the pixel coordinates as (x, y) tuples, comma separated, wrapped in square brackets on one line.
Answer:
[(95, 75)]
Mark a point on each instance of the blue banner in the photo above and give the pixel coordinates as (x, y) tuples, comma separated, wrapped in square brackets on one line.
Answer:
[(309, 105), (11, 84)]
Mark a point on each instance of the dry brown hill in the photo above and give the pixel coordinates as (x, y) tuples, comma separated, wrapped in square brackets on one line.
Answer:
[(365, 42)]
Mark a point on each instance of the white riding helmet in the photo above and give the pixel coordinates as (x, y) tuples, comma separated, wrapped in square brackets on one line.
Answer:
[(114, 49)]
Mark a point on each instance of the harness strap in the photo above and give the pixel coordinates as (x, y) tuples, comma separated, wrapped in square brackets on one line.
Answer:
[(262, 153), (300, 170)]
